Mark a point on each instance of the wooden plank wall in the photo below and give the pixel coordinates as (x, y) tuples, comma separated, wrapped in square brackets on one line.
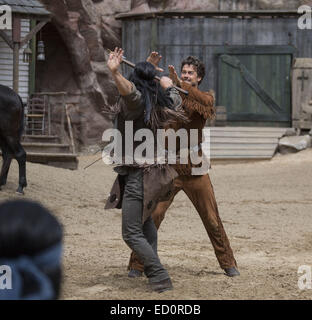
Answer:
[(178, 37), (6, 64)]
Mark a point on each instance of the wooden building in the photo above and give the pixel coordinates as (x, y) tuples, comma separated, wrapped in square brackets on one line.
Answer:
[(6, 65), (248, 56), (28, 18)]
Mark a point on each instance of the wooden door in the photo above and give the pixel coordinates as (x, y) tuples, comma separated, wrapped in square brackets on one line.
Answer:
[(255, 88)]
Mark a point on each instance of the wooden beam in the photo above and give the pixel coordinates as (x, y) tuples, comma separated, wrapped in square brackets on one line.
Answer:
[(264, 49), (16, 67), (16, 32), (6, 38), (208, 13), (63, 118), (33, 32), (16, 35), (282, 117), (60, 93), (34, 16), (32, 66), (154, 34), (70, 129)]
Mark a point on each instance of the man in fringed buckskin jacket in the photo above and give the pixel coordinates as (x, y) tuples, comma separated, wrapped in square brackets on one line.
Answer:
[(139, 186), (199, 107)]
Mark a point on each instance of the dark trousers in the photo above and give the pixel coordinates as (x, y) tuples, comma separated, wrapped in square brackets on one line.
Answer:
[(141, 238), (200, 191)]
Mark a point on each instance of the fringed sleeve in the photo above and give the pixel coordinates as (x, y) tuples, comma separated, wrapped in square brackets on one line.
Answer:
[(198, 101)]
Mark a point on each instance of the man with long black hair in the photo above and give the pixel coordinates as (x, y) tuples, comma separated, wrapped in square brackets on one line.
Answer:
[(139, 187)]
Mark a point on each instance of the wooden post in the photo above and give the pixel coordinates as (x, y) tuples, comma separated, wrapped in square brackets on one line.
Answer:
[(16, 37), (63, 117), (70, 129), (49, 116), (154, 40), (44, 115), (32, 66)]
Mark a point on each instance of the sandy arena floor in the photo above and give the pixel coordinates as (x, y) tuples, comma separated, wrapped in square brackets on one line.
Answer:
[(266, 208)]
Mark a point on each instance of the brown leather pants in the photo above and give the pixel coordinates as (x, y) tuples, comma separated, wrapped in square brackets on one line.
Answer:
[(200, 191)]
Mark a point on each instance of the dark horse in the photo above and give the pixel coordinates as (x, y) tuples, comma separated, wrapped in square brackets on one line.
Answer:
[(11, 129)]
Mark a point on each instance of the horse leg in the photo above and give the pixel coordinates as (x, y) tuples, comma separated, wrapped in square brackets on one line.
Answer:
[(20, 155), (21, 159), (7, 159)]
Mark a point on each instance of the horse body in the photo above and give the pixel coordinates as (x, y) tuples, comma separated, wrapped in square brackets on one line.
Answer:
[(11, 129)]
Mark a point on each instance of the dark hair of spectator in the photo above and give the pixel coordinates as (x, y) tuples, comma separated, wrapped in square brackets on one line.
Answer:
[(27, 228)]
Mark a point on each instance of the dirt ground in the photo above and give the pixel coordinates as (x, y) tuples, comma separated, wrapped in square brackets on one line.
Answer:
[(266, 208)]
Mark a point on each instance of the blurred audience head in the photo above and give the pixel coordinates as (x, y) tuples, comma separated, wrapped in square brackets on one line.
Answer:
[(31, 246)]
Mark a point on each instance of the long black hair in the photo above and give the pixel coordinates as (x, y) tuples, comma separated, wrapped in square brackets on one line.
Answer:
[(153, 95)]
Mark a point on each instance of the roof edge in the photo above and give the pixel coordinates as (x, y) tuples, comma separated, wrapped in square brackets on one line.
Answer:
[(21, 7), (194, 13)]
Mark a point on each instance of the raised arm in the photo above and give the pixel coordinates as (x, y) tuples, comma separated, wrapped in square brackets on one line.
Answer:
[(124, 86)]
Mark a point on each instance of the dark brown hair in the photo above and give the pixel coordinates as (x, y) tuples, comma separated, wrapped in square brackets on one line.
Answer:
[(199, 66)]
